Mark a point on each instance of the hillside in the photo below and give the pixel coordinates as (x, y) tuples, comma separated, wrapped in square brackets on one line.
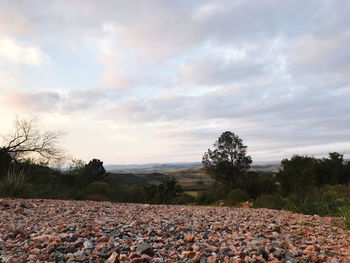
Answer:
[(79, 231), (191, 176)]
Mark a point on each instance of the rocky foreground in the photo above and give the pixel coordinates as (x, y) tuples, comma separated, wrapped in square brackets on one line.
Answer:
[(86, 231)]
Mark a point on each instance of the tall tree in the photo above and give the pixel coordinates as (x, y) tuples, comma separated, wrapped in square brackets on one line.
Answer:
[(298, 174), (92, 172), (228, 162)]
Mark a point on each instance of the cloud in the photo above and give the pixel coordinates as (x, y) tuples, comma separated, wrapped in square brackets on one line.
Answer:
[(112, 76), (55, 101), (211, 70), (22, 53), (31, 101), (182, 72), (320, 59), (14, 23)]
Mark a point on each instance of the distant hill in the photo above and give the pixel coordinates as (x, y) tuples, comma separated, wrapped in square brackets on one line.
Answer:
[(191, 176), (149, 168), (116, 179), (152, 167)]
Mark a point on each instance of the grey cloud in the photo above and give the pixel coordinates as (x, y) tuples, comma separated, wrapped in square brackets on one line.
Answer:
[(33, 101), (215, 70), (293, 121), (290, 90), (52, 101)]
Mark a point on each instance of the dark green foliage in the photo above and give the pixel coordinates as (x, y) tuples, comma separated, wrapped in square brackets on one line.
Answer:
[(129, 194), (184, 199), (273, 201), (214, 194), (256, 184), (98, 191), (228, 162), (321, 201), (302, 173), (236, 196), (344, 214), (297, 174), (93, 171), (15, 184), (164, 193), (5, 161), (332, 170)]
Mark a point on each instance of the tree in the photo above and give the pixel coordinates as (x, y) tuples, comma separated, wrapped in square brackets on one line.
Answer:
[(298, 174), (92, 172), (27, 140), (332, 170), (228, 162)]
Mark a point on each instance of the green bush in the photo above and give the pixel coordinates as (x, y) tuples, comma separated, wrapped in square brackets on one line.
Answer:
[(98, 191), (15, 185), (15, 190), (342, 191), (183, 199), (129, 194), (344, 213), (321, 201), (272, 201), (236, 196)]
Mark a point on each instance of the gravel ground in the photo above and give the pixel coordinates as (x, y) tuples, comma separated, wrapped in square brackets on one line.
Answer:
[(86, 231)]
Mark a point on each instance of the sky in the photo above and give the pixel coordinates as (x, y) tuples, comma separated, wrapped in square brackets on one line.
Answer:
[(159, 81)]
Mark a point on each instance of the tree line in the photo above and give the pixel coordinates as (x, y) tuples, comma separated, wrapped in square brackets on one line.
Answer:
[(303, 184)]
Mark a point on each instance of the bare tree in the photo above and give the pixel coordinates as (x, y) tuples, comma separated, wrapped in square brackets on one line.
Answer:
[(28, 141)]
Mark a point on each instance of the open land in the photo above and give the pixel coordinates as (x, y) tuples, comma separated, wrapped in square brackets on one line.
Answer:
[(87, 231)]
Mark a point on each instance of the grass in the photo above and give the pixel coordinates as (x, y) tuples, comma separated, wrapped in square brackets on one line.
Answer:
[(192, 193), (344, 213)]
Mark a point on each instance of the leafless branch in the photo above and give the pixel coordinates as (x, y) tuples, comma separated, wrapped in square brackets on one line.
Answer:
[(27, 140)]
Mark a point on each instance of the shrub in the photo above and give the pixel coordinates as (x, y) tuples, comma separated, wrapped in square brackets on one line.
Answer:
[(344, 213), (129, 194), (183, 199), (15, 185), (342, 191), (321, 201), (98, 191), (272, 201), (236, 196)]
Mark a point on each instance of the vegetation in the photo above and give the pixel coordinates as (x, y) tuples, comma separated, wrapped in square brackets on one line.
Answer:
[(27, 140), (228, 162), (344, 213), (303, 184)]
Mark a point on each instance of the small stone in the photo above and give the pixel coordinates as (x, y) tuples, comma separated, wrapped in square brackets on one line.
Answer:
[(211, 259), (263, 253), (59, 257), (88, 244), (123, 257), (311, 248), (188, 238), (112, 258), (145, 248)]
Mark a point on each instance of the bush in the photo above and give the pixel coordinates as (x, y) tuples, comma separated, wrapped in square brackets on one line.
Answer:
[(129, 194), (258, 183), (236, 196), (183, 199), (98, 191), (321, 201), (272, 201), (344, 213), (342, 191), (15, 185)]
